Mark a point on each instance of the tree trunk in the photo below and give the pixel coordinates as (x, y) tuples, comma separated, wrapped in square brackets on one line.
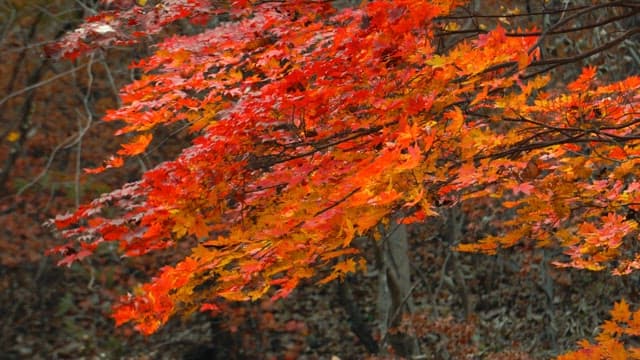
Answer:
[(394, 289)]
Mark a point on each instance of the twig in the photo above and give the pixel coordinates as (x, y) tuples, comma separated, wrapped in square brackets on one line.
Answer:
[(41, 83), (398, 311)]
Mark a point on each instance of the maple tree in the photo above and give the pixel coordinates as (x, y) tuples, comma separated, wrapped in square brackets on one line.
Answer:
[(315, 124)]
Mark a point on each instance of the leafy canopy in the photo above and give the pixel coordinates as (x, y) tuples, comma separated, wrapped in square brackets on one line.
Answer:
[(313, 125)]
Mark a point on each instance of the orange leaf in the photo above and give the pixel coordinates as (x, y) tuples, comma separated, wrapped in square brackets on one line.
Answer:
[(137, 146), (618, 153), (112, 162), (621, 311), (585, 79), (209, 307)]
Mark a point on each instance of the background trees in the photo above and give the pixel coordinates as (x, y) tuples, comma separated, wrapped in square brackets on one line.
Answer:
[(50, 129), (427, 126)]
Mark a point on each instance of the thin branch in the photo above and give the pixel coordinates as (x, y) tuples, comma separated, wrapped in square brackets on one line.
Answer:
[(344, 198), (574, 29), (497, 16), (26, 47), (41, 83), (540, 33), (562, 61), (83, 130)]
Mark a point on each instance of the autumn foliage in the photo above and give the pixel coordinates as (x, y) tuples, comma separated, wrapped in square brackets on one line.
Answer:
[(610, 343), (314, 125)]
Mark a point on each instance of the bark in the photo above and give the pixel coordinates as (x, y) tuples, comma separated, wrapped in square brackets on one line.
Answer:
[(394, 290), (357, 323)]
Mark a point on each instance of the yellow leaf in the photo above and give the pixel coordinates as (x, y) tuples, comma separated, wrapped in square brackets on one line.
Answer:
[(327, 279), (362, 264), (437, 61), (452, 26), (523, 61), (13, 136), (456, 120), (349, 232), (340, 270), (345, 267), (235, 75)]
